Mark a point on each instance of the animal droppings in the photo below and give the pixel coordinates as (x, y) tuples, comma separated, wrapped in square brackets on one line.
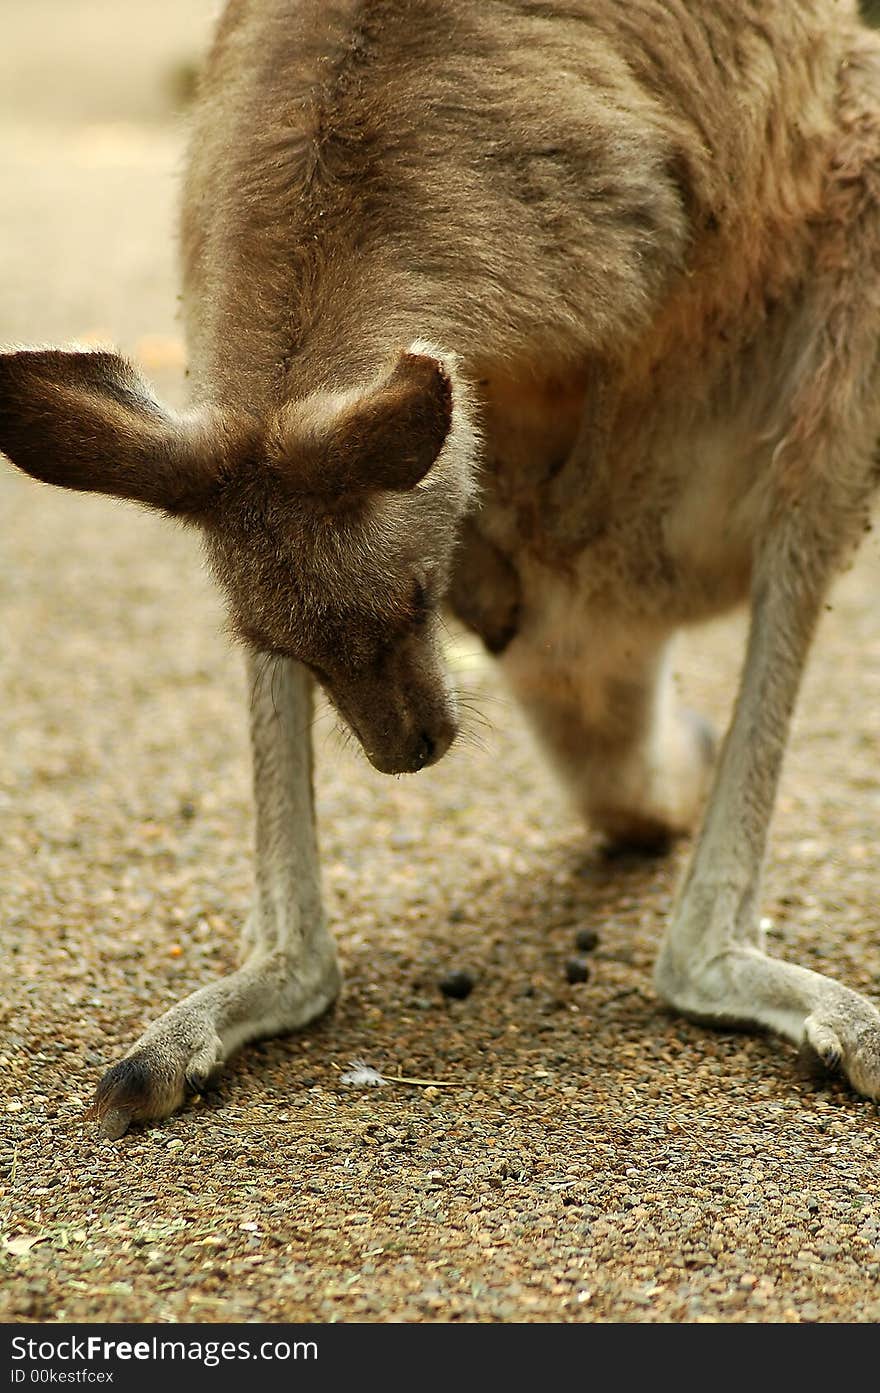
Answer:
[(586, 940), (457, 985), (577, 970)]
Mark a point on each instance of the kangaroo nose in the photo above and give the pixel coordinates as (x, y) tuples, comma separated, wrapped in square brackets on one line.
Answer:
[(433, 744), (424, 750)]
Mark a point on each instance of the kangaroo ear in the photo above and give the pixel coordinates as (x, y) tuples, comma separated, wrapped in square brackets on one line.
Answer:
[(385, 438), (86, 420)]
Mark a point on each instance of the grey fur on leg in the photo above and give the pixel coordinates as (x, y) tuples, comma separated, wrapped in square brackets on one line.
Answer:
[(289, 974), (712, 965)]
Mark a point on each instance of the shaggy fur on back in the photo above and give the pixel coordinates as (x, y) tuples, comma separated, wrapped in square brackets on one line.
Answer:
[(392, 168)]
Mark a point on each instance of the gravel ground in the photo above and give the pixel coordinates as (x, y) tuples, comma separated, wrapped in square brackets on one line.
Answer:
[(589, 1157)]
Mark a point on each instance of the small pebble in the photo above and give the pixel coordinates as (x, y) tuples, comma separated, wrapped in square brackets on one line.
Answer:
[(586, 940), (577, 970), (457, 985)]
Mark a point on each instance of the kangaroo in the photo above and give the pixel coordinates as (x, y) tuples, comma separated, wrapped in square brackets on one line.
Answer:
[(564, 316)]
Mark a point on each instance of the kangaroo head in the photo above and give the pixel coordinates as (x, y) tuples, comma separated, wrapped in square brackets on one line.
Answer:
[(330, 527)]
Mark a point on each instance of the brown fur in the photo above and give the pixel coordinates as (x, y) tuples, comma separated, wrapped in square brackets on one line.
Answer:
[(565, 312)]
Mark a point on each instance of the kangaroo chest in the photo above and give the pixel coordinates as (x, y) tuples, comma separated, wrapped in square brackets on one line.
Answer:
[(638, 508)]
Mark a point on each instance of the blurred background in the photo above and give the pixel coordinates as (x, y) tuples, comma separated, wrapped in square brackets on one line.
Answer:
[(91, 137), (98, 60)]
